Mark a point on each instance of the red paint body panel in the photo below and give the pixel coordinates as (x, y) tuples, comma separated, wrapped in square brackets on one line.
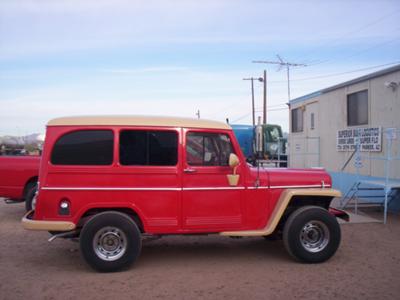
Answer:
[(300, 177), (168, 200), (15, 172)]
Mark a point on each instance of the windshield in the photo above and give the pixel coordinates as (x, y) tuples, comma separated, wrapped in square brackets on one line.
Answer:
[(274, 134)]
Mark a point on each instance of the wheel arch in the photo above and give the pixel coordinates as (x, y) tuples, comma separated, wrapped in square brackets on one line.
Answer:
[(129, 211), (301, 200), (290, 199), (31, 180)]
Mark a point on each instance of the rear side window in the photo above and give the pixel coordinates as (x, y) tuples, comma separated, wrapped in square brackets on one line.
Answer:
[(148, 148), (208, 149), (84, 147)]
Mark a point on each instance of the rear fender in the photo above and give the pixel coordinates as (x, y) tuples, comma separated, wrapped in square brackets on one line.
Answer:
[(82, 216)]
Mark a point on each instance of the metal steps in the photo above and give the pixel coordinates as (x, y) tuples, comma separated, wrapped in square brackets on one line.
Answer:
[(368, 195)]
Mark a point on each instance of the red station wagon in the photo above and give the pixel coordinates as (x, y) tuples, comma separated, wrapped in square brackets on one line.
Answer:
[(111, 179)]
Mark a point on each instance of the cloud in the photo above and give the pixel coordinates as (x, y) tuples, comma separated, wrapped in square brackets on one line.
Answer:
[(217, 95), (152, 70), (175, 57), (30, 28)]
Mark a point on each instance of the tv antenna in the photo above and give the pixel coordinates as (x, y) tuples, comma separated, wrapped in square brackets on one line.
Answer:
[(281, 64)]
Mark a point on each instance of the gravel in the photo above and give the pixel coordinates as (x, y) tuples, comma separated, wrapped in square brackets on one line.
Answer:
[(366, 266)]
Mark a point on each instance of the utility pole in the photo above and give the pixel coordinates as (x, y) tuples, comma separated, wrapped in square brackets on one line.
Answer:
[(281, 64), (198, 114), (265, 98), (252, 96)]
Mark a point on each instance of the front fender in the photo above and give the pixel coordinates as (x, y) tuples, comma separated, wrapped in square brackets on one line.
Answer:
[(280, 207)]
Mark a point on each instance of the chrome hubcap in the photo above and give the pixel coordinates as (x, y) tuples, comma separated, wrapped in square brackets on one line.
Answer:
[(314, 236), (33, 203), (109, 243)]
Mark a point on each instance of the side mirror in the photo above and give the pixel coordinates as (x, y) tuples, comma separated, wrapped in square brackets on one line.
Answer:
[(233, 161), (233, 179)]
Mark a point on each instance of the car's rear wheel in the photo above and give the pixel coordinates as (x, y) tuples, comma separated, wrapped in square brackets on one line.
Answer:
[(110, 241), (30, 199), (311, 234)]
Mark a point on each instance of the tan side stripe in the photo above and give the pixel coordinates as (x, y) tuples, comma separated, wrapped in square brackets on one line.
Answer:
[(214, 188), (138, 189), (298, 186), (178, 189), (107, 189)]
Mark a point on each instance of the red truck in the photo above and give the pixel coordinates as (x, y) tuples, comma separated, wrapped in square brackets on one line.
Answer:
[(109, 181), (18, 178)]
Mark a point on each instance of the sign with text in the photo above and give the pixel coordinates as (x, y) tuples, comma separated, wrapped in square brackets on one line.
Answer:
[(369, 139)]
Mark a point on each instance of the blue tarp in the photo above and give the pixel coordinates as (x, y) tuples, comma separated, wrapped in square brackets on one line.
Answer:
[(245, 136)]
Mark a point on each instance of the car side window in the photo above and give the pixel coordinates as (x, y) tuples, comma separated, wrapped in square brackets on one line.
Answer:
[(84, 147), (148, 148), (208, 149)]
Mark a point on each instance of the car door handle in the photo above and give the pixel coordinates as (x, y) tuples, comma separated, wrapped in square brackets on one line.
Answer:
[(188, 170)]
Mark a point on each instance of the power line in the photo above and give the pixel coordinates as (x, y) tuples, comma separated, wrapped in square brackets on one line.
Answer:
[(281, 64), (241, 117), (357, 53), (338, 74), (347, 72), (224, 109), (363, 27), (309, 78), (318, 77), (273, 106), (235, 102), (258, 110), (275, 109)]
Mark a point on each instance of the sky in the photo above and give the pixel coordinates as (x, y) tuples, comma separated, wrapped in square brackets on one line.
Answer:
[(175, 57)]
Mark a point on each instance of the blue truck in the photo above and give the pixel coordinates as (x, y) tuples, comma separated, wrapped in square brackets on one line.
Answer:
[(273, 147)]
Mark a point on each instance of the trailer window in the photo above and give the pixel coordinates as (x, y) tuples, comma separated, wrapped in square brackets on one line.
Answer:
[(357, 108), (84, 147), (148, 148), (297, 120), (312, 121), (208, 149)]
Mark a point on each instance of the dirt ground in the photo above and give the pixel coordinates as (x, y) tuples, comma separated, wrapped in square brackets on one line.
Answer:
[(366, 266)]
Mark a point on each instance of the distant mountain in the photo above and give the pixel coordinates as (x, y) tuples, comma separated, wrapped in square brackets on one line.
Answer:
[(35, 138)]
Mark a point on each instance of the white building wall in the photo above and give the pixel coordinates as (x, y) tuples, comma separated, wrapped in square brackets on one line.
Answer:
[(330, 110)]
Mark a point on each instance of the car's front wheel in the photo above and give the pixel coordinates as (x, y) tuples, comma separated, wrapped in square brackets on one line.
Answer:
[(311, 234), (110, 241)]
